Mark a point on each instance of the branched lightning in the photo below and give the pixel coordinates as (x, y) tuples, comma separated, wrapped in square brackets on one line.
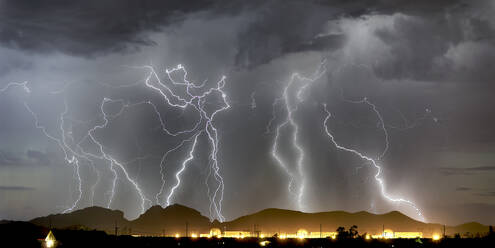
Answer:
[(113, 162), (71, 157), (371, 161), (292, 95), (195, 98), (290, 108), (23, 85), (181, 94), (183, 167), (381, 123), (177, 92)]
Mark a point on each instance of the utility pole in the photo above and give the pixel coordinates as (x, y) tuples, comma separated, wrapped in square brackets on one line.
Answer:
[(444, 231), (256, 231), (187, 229), (116, 229), (320, 230)]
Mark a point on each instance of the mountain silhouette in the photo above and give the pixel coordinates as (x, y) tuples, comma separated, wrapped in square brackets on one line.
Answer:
[(92, 218), (174, 219), (171, 220)]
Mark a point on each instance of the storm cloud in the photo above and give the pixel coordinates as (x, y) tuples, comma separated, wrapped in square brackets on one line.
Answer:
[(425, 65)]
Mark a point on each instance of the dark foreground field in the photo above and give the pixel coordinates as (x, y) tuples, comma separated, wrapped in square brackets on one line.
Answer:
[(22, 234)]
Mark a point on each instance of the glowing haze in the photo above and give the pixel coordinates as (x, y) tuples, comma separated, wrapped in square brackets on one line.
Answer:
[(231, 107)]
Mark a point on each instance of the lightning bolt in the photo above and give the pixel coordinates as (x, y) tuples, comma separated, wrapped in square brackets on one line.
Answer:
[(381, 122), (184, 164), (291, 102), (113, 162), (23, 85), (180, 94), (195, 98), (372, 161), (183, 94), (290, 108), (71, 156)]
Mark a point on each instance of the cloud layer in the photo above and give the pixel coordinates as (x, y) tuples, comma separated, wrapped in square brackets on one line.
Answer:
[(425, 64)]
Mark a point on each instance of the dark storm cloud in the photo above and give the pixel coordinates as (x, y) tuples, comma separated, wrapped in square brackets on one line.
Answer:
[(411, 52), (15, 188), (94, 27), (466, 171), (440, 40), (283, 27), (87, 27)]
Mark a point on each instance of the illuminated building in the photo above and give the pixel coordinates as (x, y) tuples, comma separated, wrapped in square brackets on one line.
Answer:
[(301, 233), (408, 235), (204, 235), (215, 232), (436, 237), (50, 241), (376, 236), (316, 235), (236, 234), (304, 234), (389, 234)]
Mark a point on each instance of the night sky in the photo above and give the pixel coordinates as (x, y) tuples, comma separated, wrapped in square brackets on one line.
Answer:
[(418, 74)]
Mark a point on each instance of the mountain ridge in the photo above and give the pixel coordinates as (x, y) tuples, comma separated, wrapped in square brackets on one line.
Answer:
[(172, 220)]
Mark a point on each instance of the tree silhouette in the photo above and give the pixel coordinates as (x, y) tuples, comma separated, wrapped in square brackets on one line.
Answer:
[(350, 234), (342, 233), (353, 232)]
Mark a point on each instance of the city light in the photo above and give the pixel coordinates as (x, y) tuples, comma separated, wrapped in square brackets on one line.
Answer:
[(50, 240), (302, 234), (264, 243), (49, 243)]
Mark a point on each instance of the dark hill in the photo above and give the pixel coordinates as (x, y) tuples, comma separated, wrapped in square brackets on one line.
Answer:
[(92, 217), (172, 219), (279, 220)]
